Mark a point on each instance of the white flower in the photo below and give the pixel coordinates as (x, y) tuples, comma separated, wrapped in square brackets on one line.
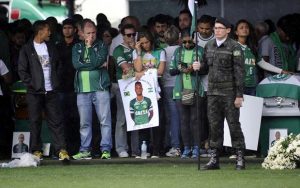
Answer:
[(284, 153)]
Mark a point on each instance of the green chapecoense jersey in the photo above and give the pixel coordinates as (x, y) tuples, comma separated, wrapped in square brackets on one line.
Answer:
[(141, 110), (121, 55)]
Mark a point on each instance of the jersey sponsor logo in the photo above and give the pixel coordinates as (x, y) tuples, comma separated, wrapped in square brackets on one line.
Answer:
[(119, 59)]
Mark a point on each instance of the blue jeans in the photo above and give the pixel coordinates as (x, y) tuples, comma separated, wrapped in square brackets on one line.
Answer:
[(172, 118), (101, 102), (121, 131)]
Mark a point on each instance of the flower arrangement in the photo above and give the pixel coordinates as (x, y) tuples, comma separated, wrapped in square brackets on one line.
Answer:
[(285, 154)]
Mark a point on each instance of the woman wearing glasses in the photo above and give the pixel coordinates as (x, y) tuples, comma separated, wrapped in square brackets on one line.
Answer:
[(184, 64)]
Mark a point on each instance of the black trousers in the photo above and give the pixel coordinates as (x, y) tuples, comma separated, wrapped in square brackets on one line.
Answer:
[(191, 125), (48, 103)]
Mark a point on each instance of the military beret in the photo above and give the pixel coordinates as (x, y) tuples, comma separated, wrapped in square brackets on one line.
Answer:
[(224, 22)]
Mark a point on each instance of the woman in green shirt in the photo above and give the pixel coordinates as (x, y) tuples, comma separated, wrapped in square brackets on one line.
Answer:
[(244, 34)]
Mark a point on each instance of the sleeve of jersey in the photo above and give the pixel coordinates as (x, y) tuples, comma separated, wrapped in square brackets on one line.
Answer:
[(239, 70), (150, 107), (131, 107), (162, 56), (119, 56)]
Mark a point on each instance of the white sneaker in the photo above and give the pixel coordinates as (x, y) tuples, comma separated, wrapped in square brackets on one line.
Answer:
[(154, 157), (173, 152), (123, 154)]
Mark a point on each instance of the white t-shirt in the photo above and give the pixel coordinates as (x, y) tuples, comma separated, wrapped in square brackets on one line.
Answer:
[(115, 42), (42, 51), (149, 61), (3, 71)]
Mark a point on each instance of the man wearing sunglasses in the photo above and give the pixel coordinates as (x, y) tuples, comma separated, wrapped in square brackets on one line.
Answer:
[(123, 59), (225, 60)]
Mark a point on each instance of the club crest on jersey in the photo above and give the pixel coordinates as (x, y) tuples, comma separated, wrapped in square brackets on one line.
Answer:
[(237, 53), (279, 77)]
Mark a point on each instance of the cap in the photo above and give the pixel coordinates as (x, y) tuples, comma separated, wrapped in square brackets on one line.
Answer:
[(224, 22)]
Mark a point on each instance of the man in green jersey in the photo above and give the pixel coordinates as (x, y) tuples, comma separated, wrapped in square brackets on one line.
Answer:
[(124, 68), (141, 109), (92, 88)]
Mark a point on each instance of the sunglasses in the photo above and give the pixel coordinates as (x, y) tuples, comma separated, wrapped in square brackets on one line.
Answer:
[(187, 42), (130, 35)]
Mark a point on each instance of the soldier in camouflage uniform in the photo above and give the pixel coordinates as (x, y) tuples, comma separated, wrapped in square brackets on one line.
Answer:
[(225, 60)]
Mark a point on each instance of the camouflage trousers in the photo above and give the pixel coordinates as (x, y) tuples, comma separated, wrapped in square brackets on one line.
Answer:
[(220, 107)]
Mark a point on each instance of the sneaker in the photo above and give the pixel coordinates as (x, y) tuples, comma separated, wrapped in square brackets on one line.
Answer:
[(82, 155), (195, 152), (38, 154), (135, 156), (154, 157), (105, 155), (186, 153), (63, 155), (173, 152), (123, 154)]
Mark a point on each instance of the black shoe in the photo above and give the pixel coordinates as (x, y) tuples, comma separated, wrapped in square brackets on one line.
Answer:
[(213, 163), (240, 160)]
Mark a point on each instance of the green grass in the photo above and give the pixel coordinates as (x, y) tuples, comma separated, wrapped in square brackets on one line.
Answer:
[(146, 175)]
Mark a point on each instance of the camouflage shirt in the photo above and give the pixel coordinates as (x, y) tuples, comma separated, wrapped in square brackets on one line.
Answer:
[(226, 68)]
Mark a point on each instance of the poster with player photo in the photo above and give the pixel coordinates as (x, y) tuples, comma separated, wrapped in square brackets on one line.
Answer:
[(140, 102), (20, 144), (276, 134)]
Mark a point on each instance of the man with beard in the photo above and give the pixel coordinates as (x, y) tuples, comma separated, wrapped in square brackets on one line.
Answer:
[(160, 26), (66, 89)]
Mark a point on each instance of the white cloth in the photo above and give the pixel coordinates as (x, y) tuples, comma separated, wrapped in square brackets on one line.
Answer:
[(3, 71), (220, 42), (42, 51)]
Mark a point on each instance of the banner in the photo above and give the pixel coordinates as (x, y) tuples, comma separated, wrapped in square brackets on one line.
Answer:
[(140, 102), (250, 119)]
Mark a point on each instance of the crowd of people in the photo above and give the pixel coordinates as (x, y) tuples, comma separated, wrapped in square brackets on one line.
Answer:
[(71, 69)]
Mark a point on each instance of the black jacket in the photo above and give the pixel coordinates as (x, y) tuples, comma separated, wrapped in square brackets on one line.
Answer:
[(66, 71), (30, 69)]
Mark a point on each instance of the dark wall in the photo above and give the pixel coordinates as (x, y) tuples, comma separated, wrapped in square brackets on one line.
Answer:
[(252, 10)]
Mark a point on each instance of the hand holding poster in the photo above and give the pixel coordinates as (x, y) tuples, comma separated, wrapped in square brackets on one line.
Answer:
[(140, 102)]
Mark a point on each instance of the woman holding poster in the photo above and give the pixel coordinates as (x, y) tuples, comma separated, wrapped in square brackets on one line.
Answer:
[(146, 58)]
